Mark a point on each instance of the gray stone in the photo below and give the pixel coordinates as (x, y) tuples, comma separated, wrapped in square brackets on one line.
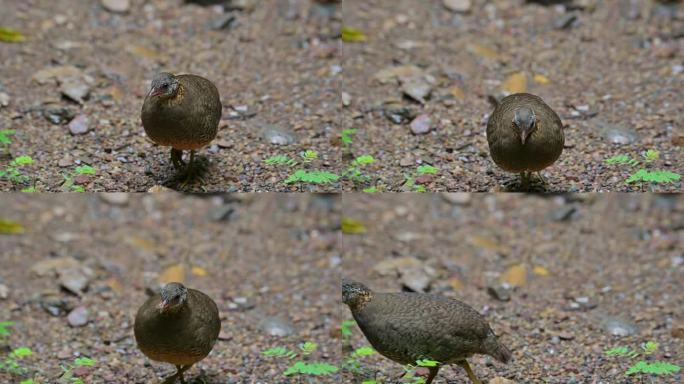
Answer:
[(276, 326)]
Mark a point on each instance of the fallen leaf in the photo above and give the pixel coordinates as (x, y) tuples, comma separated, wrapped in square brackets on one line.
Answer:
[(541, 79), (10, 227), (388, 74), (392, 266), (483, 51), (144, 52), (515, 276), (46, 266), (457, 92), (540, 271), (352, 227), (62, 71), (116, 93), (515, 83), (115, 285), (9, 35), (199, 271), (483, 242), (353, 35), (456, 284), (174, 273)]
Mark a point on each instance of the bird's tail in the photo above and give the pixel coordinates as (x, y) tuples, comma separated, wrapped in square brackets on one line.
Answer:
[(497, 350)]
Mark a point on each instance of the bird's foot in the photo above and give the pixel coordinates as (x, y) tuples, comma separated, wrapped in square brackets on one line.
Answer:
[(194, 172), (542, 178), (177, 159)]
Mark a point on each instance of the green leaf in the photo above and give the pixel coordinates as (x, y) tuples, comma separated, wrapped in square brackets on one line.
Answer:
[(315, 177), (353, 35), (345, 327), (4, 332), (85, 170), (315, 369), (370, 381), (27, 381), (10, 227), (78, 188), (651, 155), (364, 160), (655, 368), (84, 361), (279, 160), (4, 136), (621, 159), (309, 156), (347, 136), (427, 363), (23, 160), (9, 35), (649, 347), (658, 177), (22, 352), (363, 352), (420, 189), (276, 352), (308, 347), (352, 227), (370, 190), (427, 169), (617, 351), (29, 189)]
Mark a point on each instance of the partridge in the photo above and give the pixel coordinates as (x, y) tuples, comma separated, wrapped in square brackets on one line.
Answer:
[(407, 327), (525, 135), (177, 326), (181, 112)]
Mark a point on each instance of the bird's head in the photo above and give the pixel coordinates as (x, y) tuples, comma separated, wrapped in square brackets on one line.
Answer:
[(173, 296), (526, 121), (355, 294), (164, 86)]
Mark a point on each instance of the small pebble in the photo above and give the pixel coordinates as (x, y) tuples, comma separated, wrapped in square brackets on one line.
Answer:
[(78, 317)]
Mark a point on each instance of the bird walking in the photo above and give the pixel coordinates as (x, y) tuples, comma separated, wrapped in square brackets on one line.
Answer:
[(524, 135), (407, 327), (182, 112), (178, 326)]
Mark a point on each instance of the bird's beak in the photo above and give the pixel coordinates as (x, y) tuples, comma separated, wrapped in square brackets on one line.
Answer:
[(523, 135), (163, 305), (155, 92)]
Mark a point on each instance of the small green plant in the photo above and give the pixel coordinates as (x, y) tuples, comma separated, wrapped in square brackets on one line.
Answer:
[(5, 136), (347, 136), (644, 175), (426, 170), (410, 184), (309, 155), (370, 190), (12, 365), (68, 184), (353, 35), (280, 160), (301, 366), (313, 177), (650, 368), (4, 325), (354, 172), (346, 328), (68, 373), (12, 171), (352, 363)]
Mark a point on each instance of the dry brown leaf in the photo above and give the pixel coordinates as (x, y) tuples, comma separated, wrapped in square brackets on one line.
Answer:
[(174, 273), (457, 92), (515, 276)]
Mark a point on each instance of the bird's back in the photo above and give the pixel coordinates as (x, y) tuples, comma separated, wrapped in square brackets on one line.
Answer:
[(182, 338), (406, 327), (543, 146)]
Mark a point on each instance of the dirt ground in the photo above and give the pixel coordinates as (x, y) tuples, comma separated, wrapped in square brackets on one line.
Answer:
[(594, 265), (612, 70), (263, 257), (276, 66)]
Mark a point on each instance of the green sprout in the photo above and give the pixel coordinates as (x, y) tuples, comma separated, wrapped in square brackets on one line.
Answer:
[(5, 136), (656, 368), (12, 171), (621, 351), (308, 347), (301, 367), (68, 184), (11, 364), (352, 363), (279, 352), (313, 177), (346, 327), (309, 156), (85, 170), (280, 160), (370, 190), (427, 363), (67, 371), (658, 177), (651, 155), (649, 347), (347, 136), (4, 325), (621, 159), (427, 170), (354, 172), (314, 369)]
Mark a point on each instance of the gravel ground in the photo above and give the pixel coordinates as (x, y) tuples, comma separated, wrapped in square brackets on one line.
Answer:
[(611, 69), (614, 258), (286, 267), (275, 64)]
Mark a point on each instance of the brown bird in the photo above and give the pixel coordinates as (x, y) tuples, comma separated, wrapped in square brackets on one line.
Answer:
[(182, 112), (177, 326), (525, 135), (407, 327)]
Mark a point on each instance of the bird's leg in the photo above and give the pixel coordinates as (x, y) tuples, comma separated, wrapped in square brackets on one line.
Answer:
[(542, 178), (181, 369), (525, 180), (469, 371), (431, 376), (193, 171), (177, 158)]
